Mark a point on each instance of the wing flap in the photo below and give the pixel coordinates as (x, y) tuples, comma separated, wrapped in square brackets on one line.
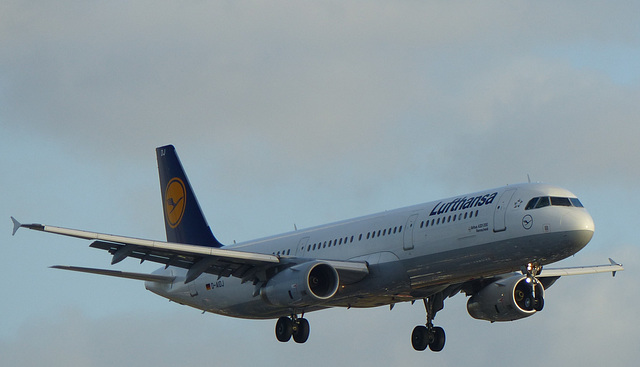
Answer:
[(159, 245), (216, 265)]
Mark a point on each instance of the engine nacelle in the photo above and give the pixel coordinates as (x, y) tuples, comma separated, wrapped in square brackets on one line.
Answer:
[(507, 299), (301, 285)]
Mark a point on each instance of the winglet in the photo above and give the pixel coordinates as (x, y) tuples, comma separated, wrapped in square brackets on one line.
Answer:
[(613, 273), (16, 226)]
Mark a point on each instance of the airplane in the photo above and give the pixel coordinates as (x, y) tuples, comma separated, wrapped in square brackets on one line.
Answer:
[(490, 245)]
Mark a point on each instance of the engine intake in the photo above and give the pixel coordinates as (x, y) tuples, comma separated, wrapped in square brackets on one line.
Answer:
[(301, 285), (507, 299)]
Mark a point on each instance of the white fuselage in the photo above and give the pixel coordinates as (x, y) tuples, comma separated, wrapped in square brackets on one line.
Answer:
[(412, 252)]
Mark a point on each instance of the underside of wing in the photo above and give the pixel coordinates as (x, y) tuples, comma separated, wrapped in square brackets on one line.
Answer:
[(249, 266), (580, 270)]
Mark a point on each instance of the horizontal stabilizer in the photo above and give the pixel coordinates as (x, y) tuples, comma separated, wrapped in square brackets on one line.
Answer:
[(119, 274)]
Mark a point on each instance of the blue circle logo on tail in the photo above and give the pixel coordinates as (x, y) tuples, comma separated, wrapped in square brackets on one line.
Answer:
[(175, 197)]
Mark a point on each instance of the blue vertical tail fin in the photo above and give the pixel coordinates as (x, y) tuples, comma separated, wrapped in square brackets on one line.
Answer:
[(183, 218)]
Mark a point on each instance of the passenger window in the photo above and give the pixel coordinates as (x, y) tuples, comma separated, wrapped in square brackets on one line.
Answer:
[(544, 201), (400, 229), (576, 202)]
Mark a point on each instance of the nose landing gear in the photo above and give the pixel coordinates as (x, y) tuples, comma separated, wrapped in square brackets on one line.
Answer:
[(535, 299)]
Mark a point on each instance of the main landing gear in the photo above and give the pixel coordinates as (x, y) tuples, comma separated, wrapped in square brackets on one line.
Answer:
[(286, 327), (429, 335)]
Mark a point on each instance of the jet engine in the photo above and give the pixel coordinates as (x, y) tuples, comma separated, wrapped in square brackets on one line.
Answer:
[(300, 285), (507, 299)]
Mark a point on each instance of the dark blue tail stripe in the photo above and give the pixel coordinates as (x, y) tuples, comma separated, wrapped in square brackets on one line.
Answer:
[(183, 218)]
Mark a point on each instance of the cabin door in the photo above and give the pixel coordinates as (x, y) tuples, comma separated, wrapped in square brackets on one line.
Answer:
[(408, 232), (500, 215)]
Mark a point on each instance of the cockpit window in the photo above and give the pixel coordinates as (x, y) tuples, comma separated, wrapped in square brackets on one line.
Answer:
[(542, 201), (557, 201), (531, 204), (576, 202)]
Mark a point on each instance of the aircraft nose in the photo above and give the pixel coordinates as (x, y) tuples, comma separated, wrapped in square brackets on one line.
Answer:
[(577, 220)]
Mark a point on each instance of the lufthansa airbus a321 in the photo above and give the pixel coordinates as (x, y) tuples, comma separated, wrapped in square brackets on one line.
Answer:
[(490, 245)]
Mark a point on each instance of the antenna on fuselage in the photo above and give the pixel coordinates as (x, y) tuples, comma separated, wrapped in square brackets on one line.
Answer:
[(528, 178)]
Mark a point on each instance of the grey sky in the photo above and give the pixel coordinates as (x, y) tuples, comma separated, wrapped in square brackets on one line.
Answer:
[(305, 113)]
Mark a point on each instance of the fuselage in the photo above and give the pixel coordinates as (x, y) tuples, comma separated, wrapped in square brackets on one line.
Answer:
[(412, 252)]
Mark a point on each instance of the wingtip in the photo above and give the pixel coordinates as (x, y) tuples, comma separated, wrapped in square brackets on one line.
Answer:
[(613, 273), (16, 225)]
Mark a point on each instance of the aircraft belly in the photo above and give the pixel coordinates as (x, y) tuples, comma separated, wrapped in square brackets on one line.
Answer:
[(427, 268), (465, 263)]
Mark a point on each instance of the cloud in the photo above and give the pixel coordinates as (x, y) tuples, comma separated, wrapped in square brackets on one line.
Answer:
[(323, 80), (306, 113)]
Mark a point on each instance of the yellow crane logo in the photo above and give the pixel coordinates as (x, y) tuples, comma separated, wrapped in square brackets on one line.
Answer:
[(175, 197)]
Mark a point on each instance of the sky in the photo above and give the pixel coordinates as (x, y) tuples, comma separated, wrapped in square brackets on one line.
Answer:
[(302, 113)]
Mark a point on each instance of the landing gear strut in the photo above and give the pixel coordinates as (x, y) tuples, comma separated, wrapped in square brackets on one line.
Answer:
[(286, 327), (536, 301), (429, 335)]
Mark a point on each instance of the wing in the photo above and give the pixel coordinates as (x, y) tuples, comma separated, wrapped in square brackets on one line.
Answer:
[(549, 276), (580, 270), (119, 274), (249, 266)]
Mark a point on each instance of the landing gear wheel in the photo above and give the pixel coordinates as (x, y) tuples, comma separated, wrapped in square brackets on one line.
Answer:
[(538, 304), (429, 335), (301, 331), (420, 338), (284, 329), (437, 343)]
